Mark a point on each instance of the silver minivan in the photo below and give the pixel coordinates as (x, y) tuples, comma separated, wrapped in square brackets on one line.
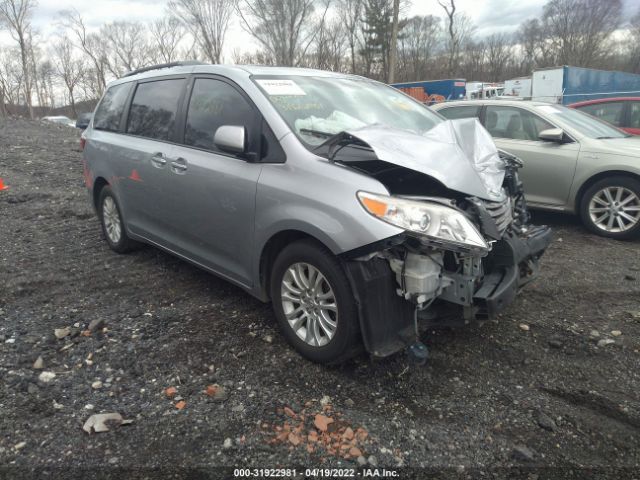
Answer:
[(359, 213)]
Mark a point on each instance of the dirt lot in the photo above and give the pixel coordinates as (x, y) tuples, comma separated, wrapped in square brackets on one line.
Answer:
[(539, 393)]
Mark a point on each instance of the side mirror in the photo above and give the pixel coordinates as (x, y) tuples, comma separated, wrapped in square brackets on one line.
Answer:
[(231, 138), (552, 135)]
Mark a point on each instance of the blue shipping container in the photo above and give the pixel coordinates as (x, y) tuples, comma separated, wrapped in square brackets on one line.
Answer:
[(575, 84)]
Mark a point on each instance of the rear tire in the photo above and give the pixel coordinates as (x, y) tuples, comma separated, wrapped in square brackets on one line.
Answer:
[(112, 223), (611, 208), (314, 304)]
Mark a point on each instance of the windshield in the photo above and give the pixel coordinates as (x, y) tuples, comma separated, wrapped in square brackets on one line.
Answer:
[(585, 124), (316, 108)]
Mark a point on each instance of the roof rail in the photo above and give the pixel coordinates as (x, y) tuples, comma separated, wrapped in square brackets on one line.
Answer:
[(186, 63)]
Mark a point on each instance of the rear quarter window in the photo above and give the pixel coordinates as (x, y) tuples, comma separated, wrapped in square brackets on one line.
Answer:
[(154, 108), (109, 113)]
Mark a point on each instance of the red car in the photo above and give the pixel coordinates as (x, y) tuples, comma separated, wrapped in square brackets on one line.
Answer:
[(623, 112)]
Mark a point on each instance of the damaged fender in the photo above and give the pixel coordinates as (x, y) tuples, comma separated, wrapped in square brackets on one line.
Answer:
[(409, 282)]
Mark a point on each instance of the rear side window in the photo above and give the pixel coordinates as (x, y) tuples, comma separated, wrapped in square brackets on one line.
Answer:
[(215, 103), (453, 113), (609, 112), (514, 123), (154, 107), (109, 113)]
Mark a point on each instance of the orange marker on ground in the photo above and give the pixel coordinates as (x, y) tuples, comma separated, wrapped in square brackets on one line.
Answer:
[(2, 185)]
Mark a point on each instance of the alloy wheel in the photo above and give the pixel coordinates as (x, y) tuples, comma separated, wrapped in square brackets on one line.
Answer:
[(309, 304), (615, 209), (111, 219)]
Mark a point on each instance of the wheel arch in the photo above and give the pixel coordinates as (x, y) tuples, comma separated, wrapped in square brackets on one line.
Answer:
[(596, 178), (270, 250), (98, 184)]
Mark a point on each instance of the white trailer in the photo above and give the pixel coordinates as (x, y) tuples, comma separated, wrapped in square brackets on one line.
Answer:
[(548, 85), (518, 87)]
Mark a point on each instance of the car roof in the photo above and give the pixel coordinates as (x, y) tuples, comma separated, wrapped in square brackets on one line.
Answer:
[(604, 100), (233, 72), (504, 103)]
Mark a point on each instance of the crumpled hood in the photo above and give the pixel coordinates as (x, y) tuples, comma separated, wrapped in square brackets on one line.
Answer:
[(460, 154)]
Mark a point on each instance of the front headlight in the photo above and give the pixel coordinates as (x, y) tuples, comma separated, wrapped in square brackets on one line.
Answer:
[(437, 222)]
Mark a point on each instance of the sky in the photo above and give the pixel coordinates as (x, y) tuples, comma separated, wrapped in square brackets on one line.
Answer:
[(489, 16)]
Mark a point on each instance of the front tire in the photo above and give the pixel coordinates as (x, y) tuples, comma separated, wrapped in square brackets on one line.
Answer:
[(112, 223), (314, 304), (611, 208)]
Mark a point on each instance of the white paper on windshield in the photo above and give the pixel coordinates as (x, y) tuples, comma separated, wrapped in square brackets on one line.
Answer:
[(280, 87), (549, 109)]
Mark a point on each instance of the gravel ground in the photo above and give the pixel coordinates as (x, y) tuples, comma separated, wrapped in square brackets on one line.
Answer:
[(549, 390)]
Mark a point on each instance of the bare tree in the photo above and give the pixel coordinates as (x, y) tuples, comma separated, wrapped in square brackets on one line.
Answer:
[(580, 29), (255, 58), (498, 55), (166, 33), (33, 57), (473, 60), (128, 46), (419, 44), (3, 96), (454, 44), (460, 29), (16, 15), (285, 28), (339, 35), (10, 79), (68, 68), (350, 11), (46, 74), (529, 37), (208, 21), (92, 46), (329, 48)]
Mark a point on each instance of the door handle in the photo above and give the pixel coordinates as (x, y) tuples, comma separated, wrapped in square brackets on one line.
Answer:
[(179, 165), (158, 159)]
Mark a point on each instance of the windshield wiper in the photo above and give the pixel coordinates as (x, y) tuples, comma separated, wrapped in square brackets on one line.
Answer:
[(608, 138), (330, 147), (317, 133)]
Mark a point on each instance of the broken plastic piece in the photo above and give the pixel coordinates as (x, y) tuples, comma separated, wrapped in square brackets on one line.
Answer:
[(418, 353), (100, 422)]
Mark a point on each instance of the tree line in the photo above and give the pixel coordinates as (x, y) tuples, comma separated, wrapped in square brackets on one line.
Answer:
[(373, 38)]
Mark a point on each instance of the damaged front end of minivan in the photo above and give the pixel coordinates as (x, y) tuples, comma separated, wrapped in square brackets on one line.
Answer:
[(467, 246)]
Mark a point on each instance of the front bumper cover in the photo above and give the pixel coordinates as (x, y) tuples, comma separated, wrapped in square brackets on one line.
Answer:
[(387, 321), (514, 263)]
